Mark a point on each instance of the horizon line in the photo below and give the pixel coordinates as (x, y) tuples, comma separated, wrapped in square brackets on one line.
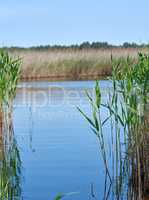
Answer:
[(76, 44)]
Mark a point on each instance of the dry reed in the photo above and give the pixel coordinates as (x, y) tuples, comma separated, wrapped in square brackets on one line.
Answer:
[(70, 63)]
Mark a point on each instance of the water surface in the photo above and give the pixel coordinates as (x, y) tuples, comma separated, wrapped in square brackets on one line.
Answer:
[(59, 153)]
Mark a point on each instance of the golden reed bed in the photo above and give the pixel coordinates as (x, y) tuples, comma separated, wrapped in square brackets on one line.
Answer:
[(71, 64)]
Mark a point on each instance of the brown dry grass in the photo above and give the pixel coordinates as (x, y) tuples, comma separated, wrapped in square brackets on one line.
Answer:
[(70, 64)]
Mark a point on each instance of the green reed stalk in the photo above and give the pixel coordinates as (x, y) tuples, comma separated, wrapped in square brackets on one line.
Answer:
[(129, 124), (97, 124), (9, 76), (10, 164)]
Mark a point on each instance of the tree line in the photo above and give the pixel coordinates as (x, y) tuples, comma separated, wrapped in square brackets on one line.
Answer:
[(84, 45)]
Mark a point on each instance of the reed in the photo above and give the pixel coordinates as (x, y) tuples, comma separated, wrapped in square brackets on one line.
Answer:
[(9, 76), (127, 106), (10, 163), (70, 63)]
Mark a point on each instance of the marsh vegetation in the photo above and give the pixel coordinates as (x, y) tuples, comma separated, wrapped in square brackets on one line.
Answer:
[(128, 114), (71, 63), (9, 160), (119, 121)]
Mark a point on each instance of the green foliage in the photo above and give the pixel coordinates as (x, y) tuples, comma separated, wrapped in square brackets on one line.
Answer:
[(9, 75), (10, 163), (131, 45), (127, 105), (97, 124)]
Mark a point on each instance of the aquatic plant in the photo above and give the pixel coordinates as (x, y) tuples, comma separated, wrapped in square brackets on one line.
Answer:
[(10, 160), (97, 124), (128, 115), (9, 76), (62, 64)]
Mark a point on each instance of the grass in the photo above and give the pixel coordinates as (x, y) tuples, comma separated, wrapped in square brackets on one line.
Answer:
[(70, 63), (127, 108)]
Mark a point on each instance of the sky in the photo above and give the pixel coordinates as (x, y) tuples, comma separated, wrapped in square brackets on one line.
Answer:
[(42, 22)]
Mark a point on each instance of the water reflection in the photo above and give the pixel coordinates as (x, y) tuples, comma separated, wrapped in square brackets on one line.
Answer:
[(10, 163)]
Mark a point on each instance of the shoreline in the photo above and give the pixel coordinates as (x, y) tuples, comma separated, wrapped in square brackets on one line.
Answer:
[(65, 78)]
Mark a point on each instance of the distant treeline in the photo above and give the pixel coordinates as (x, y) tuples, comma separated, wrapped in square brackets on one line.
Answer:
[(84, 45)]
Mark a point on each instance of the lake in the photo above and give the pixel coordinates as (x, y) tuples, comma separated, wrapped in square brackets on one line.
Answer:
[(58, 151)]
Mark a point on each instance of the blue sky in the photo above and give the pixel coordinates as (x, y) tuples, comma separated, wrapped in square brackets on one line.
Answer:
[(35, 22)]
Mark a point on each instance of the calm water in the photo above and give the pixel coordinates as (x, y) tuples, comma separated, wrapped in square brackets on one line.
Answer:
[(59, 153)]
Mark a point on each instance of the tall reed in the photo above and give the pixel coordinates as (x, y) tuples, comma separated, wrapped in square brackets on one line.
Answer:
[(10, 161), (62, 64), (9, 76), (127, 107)]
